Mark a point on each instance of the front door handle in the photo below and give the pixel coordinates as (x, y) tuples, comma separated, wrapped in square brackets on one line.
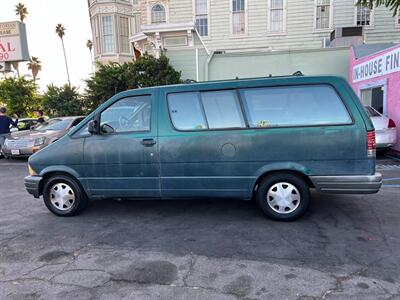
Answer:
[(148, 142)]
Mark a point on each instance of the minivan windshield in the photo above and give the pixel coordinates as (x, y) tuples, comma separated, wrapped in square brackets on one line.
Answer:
[(54, 124)]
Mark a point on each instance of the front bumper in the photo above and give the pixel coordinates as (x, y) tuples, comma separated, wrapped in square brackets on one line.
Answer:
[(23, 152), (355, 184), (32, 185)]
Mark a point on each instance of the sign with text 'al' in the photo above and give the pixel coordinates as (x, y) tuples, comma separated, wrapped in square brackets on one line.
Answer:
[(380, 65), (13, 42)]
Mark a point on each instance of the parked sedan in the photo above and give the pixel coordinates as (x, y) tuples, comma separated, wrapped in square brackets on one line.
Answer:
[(25, 143), (385, 128), (24, 124)]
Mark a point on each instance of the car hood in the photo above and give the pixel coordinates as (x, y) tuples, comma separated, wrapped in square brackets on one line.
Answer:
[(33, 134), (380, 123)]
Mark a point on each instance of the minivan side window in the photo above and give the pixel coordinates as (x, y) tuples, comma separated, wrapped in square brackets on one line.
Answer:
[(186, 111), (222, 109), (128, 115), (206, 110), (294, 106)]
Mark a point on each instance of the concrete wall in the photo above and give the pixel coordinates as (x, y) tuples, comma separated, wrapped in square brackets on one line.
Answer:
[(244, 65)]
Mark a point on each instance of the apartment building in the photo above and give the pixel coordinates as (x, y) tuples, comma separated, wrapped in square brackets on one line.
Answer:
[(197, 32)]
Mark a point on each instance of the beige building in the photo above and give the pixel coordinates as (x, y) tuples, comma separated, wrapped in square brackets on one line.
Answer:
[(225, 25)]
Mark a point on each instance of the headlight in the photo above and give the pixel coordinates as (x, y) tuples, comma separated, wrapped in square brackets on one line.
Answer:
[(6, 143), (31, 171), (40, 141)]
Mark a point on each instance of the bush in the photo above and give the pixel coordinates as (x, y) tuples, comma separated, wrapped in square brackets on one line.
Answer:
[(62, 101), (19, 95), (113, 78)]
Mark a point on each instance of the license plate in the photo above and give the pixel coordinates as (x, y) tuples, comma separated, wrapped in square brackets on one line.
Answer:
[(15, 152)]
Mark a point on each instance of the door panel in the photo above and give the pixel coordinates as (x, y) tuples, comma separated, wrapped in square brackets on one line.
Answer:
[(124, 163)]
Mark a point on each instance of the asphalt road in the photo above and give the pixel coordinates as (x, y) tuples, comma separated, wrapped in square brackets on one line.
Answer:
[(345, 247)]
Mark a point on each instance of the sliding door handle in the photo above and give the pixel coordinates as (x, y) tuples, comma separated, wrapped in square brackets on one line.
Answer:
[(148, 142)]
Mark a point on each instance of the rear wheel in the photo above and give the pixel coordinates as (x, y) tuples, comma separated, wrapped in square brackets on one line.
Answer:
[(63, 196), (283, 196)]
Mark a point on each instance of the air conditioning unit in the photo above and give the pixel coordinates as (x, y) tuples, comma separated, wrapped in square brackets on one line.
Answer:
[(346, 36)]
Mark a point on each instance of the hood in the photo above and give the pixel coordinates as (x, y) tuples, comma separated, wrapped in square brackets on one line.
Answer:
[(32, 134)]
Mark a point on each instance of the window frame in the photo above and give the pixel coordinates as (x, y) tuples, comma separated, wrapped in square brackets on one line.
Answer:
[(284, 19), (120, 36), (244, 112), (239, 35), (371, 17), (331, 8), (103, 48), (98, 115), (151, 13), (208, 18)]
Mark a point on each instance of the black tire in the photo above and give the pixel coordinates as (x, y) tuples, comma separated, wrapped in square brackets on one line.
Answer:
[(80, 202), (303, 193)]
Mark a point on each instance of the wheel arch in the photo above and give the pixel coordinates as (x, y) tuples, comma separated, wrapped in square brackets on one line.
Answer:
[(294, 169), (65, 171)]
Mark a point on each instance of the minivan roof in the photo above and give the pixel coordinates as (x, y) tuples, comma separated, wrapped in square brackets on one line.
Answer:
[(243, 81)]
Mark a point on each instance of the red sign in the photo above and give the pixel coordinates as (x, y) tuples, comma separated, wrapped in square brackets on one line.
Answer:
[(10, 48)]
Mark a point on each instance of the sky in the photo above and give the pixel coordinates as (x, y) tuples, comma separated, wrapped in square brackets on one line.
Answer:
[(43, 42)]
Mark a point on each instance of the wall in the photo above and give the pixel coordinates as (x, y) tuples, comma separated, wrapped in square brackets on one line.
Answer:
[(392, 84)]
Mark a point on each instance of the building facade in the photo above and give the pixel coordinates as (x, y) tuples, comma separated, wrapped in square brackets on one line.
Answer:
[(210, 39), (236, 24)]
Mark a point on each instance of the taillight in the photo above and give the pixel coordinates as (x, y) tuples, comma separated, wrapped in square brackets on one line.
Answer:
[(371, 144), (391, 124)]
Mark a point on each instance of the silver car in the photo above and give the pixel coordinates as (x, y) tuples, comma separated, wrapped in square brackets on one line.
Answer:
[(385, 128), (25, 143)]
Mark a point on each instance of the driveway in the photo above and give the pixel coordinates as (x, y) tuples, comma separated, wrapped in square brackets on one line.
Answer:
[(345, 247)]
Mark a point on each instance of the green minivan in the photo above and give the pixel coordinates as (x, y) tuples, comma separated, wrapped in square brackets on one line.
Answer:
[(268, 139)]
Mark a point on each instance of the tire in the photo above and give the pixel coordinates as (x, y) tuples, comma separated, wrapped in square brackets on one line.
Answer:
[(271, 193), (63, 196)]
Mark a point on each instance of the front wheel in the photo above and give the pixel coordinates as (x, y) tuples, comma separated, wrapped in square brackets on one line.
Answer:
[(63, 196), (283, 196)]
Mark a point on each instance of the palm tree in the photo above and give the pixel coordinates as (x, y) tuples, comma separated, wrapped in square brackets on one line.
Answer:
[(393, 5), (89, 44), (35, 65), (60, 30), (15, 65), (21, 11)]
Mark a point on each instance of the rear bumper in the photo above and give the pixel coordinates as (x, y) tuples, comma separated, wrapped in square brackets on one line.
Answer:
[(356, 184), (32, 185), (386, 138)]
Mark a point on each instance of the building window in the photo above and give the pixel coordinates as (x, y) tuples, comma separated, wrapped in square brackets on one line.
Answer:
[(363, 17), (136, 23), (108, 34), (238, 17), (124, 35), (201, 16), (96, 35), (158, 14), (322, 14), (277, 16)]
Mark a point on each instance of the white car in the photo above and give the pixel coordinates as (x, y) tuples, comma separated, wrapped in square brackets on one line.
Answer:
[(385, 128)]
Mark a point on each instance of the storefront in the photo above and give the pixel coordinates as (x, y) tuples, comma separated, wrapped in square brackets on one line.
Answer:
[(375, 76)]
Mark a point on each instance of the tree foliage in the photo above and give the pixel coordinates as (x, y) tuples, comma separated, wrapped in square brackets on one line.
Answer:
[(113, 78), (19, 95), (62, 101), (393, 5)]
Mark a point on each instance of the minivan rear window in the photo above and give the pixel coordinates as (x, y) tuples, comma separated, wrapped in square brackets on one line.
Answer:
[(294, 106)]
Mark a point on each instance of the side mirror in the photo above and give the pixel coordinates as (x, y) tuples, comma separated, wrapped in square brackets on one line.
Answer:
[(93, 127), (107, 129)]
